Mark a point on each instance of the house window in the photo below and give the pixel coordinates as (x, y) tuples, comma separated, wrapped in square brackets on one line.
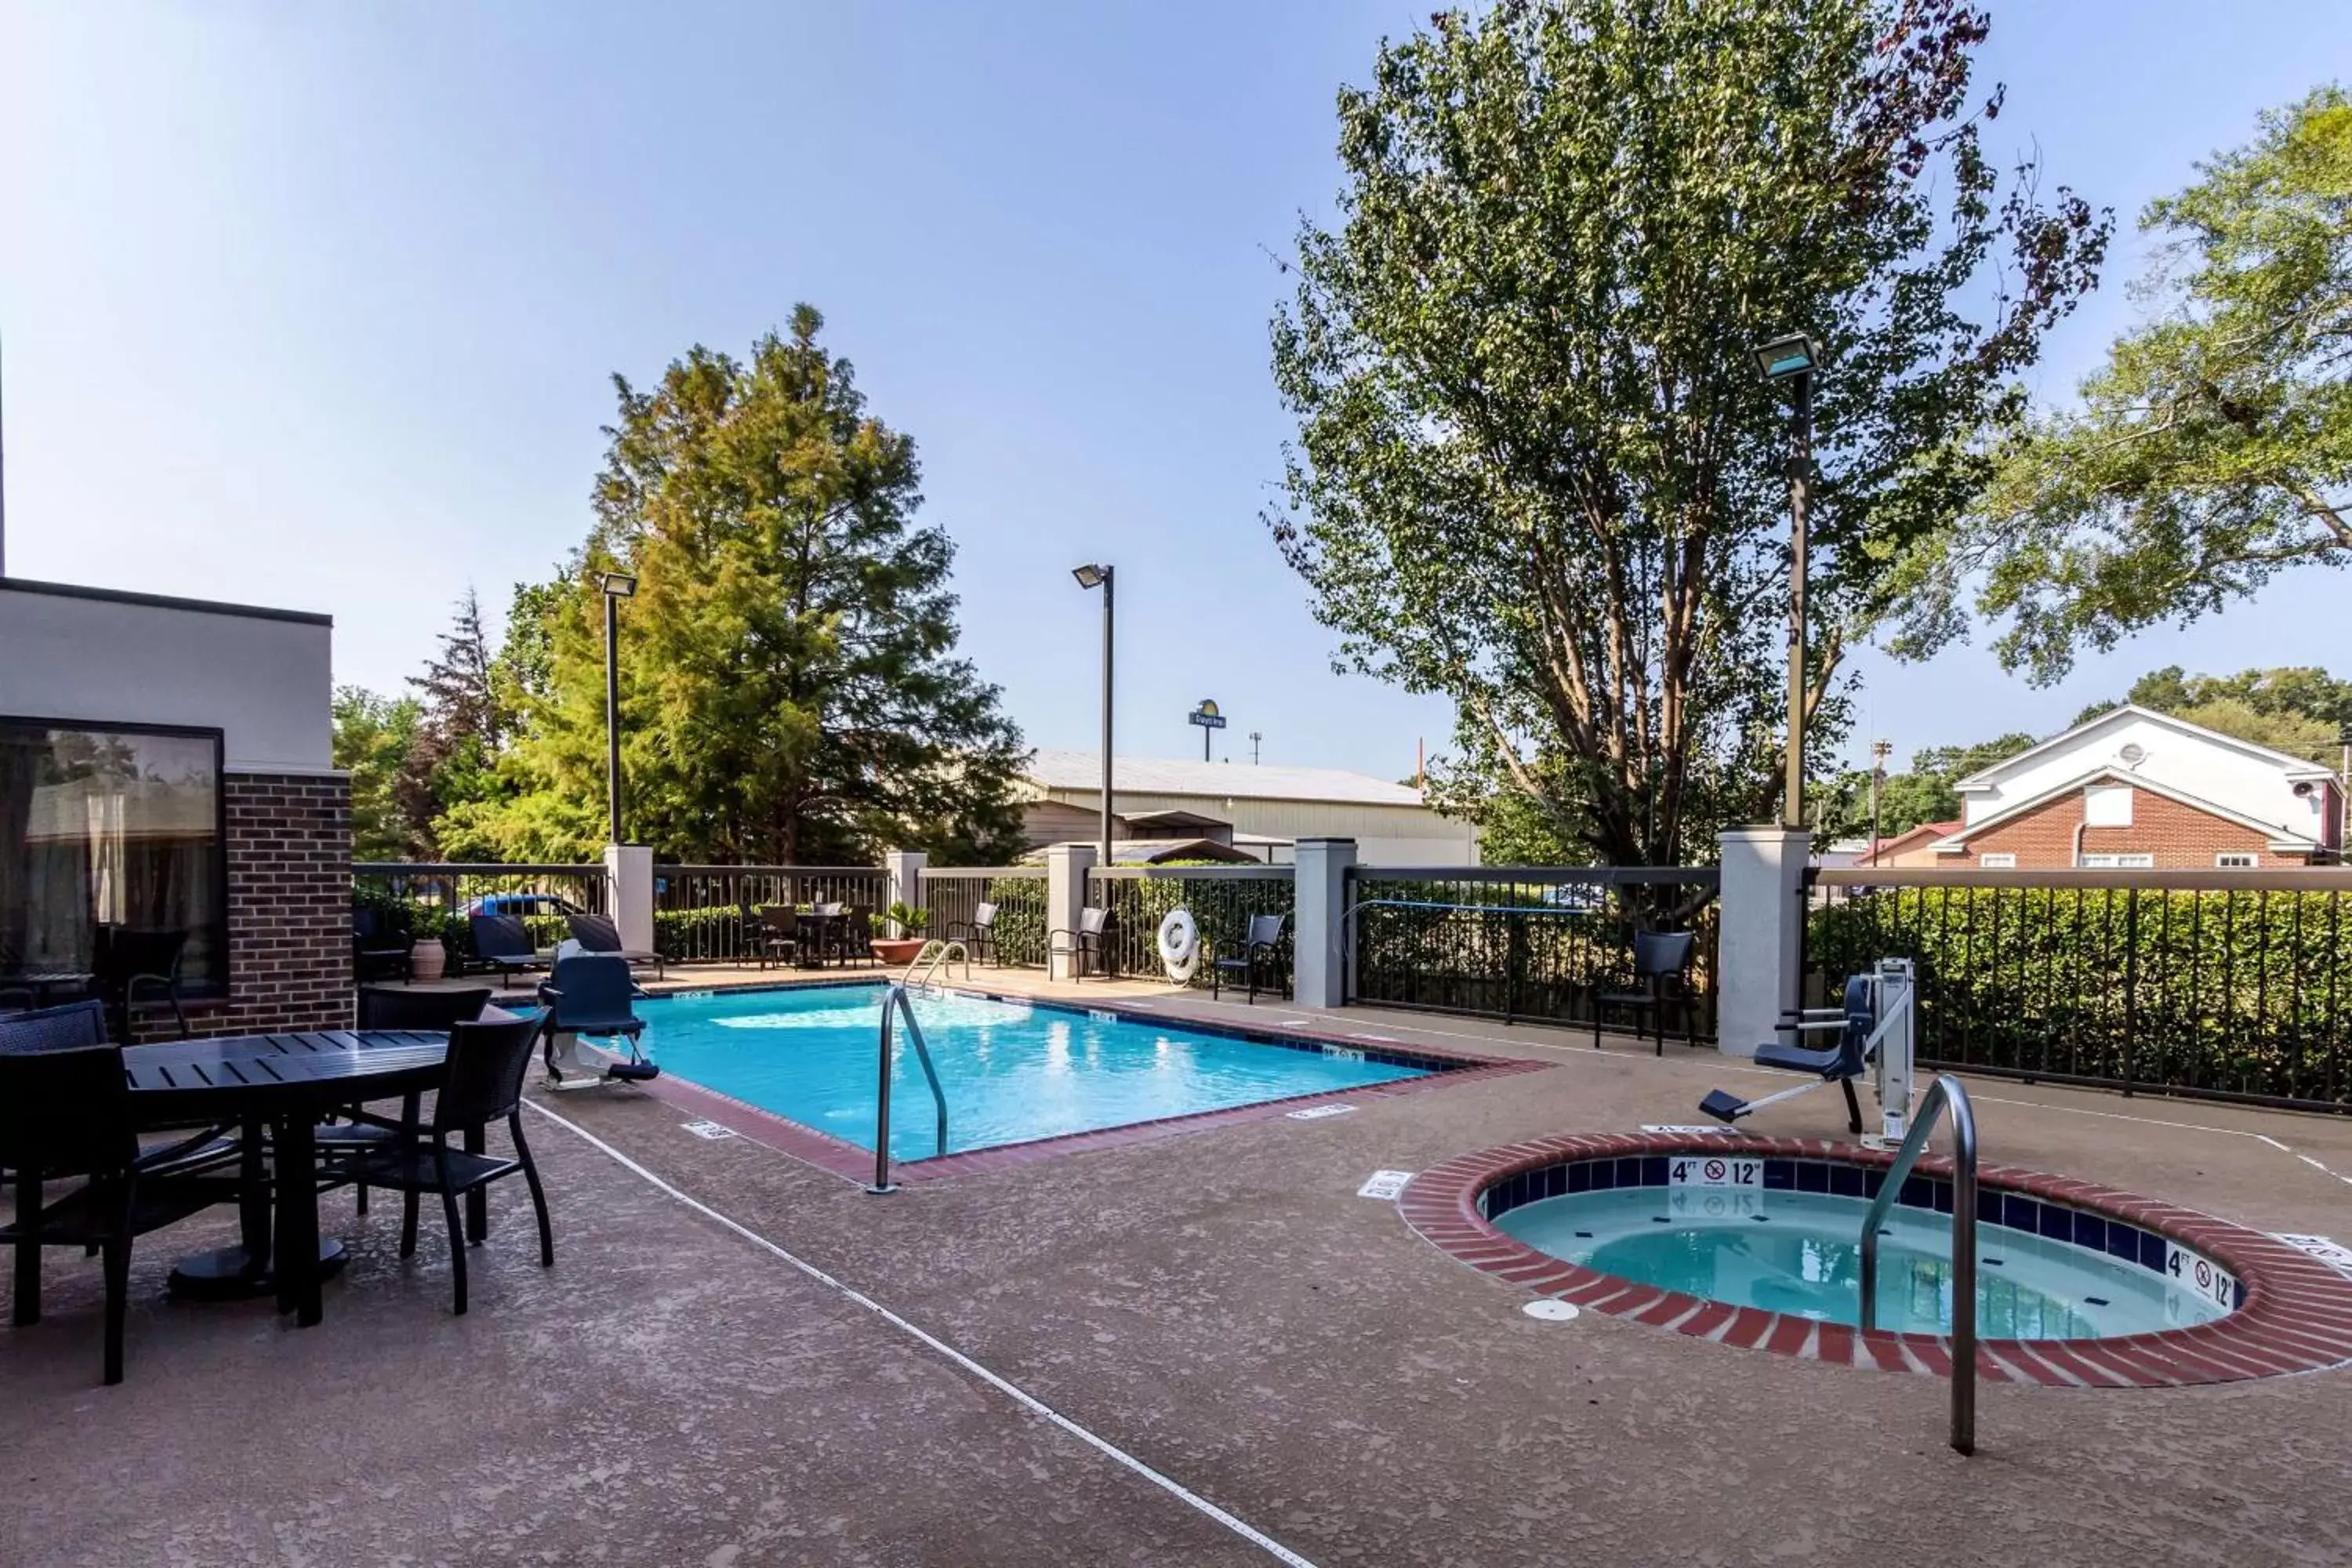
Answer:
[(108, 830), (1998, 862), (2107, 805), (2237, 860), (2116, 862)]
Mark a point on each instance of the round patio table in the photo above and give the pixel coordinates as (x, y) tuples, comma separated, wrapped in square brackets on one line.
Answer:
[(289, 1081)]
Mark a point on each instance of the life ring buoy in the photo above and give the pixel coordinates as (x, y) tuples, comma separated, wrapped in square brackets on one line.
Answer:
[(1180, 945)]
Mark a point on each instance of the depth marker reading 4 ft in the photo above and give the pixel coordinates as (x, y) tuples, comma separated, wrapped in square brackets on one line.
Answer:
[(1715, 1171)]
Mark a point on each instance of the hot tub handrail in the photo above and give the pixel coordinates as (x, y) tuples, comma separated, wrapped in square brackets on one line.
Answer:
[(897, 997), (1948, 1093)]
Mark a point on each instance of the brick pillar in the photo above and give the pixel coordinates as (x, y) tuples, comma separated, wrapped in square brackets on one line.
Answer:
[(289, 906)]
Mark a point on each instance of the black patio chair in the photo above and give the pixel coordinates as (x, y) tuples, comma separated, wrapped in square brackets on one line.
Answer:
[(1088, 946), (503, 942), (592, 993), (77, 1025), (387, 1008), (978, 934), (1262, 943), (779, 933), (131, 960), (1661, 979), (594, 933), (486, 1062), (67, 1113), (855, 936), (382, 946)]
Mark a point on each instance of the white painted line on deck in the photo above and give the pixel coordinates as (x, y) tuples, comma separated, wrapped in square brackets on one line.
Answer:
[(1013, 1391)]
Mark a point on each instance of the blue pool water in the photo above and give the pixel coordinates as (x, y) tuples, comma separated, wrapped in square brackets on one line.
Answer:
[(1800, 1253), (1011, 1073)]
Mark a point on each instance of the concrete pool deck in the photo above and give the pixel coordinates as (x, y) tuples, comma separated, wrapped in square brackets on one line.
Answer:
[(1216, 1305)]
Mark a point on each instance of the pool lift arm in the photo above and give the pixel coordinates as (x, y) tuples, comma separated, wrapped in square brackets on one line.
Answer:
[(1874, 1029)]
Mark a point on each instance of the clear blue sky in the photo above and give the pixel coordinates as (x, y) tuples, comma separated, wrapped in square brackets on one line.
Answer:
[(316, 305)]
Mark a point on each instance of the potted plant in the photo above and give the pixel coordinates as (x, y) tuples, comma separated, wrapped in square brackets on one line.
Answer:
[(902, 949)]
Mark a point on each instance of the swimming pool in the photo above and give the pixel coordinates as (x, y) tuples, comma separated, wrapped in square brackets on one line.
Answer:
[(1011, 1072)]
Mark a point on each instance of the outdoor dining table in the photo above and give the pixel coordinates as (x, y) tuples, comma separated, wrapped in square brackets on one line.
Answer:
[(815, 933), (289, 1082)]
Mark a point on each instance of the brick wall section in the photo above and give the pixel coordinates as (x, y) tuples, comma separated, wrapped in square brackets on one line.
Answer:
[(2181, 838), (290, 909)]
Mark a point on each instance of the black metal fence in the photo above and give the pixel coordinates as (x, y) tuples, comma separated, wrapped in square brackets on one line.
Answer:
[(711, 914), (2221, 985), (1220, 899), (1521, 943), (435, 900), (952, 896)]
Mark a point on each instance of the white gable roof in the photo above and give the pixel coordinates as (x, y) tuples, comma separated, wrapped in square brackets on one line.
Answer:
[(1054, 770), (2236, 779)]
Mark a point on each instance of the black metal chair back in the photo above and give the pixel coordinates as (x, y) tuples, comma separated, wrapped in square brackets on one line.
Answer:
[(1662, 952), (486, 1062), (73, 1026), (127, 953), (387, 1007), (67, 1113), (594, 933), (498, 937), (591, 994)]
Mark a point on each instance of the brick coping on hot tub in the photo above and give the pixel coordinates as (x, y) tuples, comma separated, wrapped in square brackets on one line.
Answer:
[(1444, 1067), (2296, 1314)]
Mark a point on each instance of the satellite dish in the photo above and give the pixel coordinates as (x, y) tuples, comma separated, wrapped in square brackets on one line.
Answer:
[(2134, 754)]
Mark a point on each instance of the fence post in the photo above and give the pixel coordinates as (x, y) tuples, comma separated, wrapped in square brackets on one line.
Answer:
[(629, 894), (1066, 866), (1319, 898), (1759, 942), (906, 869)]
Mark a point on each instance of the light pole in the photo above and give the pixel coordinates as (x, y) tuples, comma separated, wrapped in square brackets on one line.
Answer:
[(1793, 356), (1878, 750), (1100, 577), (617, 587)]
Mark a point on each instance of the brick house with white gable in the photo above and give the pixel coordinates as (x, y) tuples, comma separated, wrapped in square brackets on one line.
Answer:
[(2134, 788)]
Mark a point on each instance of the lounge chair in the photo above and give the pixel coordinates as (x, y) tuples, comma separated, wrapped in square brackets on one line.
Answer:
[(978, 934), (1262, 943), (1088, 946), (502, 942), (486, 1062), (1661, 979), (594, 933)]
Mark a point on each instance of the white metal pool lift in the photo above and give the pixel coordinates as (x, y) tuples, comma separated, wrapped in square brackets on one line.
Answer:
[(1875, 1031)]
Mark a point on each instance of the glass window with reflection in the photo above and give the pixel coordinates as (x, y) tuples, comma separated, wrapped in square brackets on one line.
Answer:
[(110, 852)]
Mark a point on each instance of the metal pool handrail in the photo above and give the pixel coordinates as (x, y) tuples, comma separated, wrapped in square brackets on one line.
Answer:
[(1948, 1093), (935, 955), (896, 996)]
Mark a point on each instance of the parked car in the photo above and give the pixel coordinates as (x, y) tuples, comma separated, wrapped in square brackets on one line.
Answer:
[(522, 904)]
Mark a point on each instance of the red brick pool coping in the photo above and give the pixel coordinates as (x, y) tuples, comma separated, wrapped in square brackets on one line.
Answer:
[(2297, 1315), (856, 1162)]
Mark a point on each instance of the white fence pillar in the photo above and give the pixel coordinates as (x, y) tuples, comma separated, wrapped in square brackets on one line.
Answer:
[(906, 869), (1761, 931), (629, 894), (1066, 866), (1320, 942)]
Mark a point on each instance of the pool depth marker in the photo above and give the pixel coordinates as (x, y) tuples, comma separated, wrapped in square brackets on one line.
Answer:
[(1013, 1391)]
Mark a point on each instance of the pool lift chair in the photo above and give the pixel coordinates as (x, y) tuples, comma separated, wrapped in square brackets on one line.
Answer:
[(1874, 1032), (590, 993)]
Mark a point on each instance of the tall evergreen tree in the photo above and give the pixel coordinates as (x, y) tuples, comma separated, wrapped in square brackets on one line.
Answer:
[(789, 687)]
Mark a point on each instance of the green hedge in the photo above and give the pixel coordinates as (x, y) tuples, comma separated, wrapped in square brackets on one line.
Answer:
[(2224, 993)]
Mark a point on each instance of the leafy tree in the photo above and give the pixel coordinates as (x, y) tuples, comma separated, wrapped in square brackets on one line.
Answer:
[(2214, 449), (373, 737), (1536, 468), (789, 690), (2300, 711)]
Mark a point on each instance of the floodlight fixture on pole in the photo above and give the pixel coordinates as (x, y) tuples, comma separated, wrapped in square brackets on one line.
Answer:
[(1099, 576), (1793, 357)]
